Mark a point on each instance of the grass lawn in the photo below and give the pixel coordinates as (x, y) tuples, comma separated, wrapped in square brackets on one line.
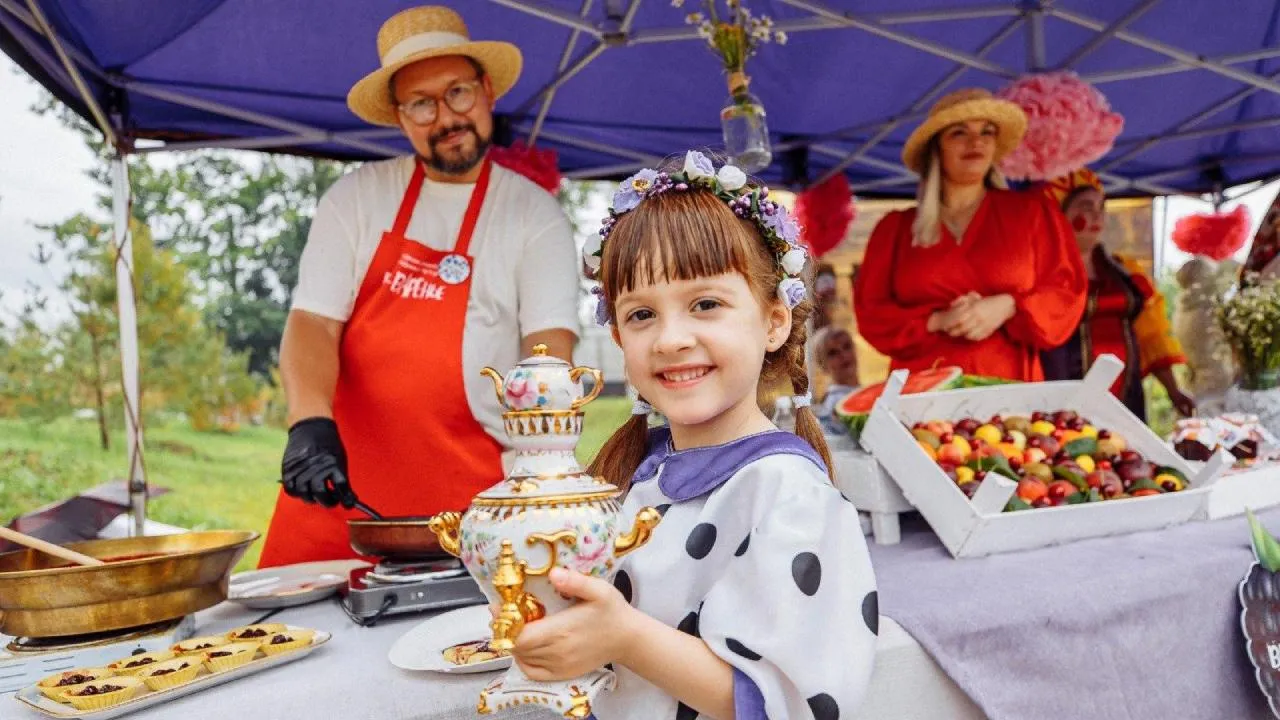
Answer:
[(217, 480)]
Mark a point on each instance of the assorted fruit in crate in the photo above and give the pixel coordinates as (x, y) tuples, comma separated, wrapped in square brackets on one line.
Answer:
[(855, 408), (1242, 435), (1056, 458)]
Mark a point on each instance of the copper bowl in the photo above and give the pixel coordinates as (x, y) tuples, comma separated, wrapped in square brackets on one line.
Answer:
[(41, 596)]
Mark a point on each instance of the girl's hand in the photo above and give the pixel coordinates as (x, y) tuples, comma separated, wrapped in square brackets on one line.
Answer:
[(581, 638), (979, 319)]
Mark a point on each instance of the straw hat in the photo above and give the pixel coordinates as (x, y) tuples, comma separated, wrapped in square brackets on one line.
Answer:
[(959, 106), (420, 33)]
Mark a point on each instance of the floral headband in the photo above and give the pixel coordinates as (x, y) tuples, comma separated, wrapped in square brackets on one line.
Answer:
[(776, 225)]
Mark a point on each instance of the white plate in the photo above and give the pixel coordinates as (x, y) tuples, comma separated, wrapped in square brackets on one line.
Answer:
[(421, 648), (32, 698), (290, 585)]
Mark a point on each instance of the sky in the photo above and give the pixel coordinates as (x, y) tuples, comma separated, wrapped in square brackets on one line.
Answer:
[(42, 180)]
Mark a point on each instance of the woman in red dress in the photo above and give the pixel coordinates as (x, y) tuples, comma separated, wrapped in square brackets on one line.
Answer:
[(1125, 314), (975, 275)]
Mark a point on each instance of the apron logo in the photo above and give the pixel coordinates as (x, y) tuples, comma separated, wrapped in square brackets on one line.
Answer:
[(412, 287), (454, 269)]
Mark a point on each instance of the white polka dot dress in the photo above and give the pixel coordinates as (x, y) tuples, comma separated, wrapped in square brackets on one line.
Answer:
[(759, 556)]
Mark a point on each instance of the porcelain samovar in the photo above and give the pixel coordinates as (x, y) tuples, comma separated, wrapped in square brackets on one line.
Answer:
[(548, 512)]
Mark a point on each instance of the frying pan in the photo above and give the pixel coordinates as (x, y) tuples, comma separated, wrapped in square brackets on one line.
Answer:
[(393, 537)]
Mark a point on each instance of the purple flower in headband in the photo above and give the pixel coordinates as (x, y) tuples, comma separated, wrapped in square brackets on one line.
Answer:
[(603, 315), (697, 165), (781, 222), (632, 190), (791, 291)]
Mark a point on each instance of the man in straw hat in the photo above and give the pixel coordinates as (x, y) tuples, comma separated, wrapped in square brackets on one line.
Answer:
[(975, 275), (418, 272)]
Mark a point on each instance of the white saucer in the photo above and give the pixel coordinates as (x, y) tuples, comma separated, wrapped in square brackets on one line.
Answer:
[(290, 585), (423, 646)]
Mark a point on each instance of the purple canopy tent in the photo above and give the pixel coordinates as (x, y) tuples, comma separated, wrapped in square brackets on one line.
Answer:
[(613, 85)]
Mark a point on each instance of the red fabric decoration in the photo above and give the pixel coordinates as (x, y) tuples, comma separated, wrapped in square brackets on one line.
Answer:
[(1216, 236), (1069, 125), (825, 212), (538, 164)]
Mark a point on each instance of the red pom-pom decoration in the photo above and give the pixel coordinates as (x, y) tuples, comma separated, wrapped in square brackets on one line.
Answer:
[(825, 212), (1069, 125), (1216, 236), (538, 164)]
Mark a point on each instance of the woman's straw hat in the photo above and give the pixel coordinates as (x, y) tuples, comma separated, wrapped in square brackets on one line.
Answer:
[(959, 106), (420, 33)]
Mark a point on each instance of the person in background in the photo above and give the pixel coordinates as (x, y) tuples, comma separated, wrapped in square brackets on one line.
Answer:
[(833, 352), (975, 275), (1125, 314)]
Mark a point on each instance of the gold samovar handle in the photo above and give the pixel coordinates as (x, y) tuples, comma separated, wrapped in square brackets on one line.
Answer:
[(646, 520)]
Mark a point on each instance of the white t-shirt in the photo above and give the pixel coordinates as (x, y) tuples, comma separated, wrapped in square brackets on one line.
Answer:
[(524, 279)]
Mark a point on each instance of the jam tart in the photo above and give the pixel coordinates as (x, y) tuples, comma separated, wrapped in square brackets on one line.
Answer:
[(470, 653), (286, 640), (197, 645), (230, 656), (171, 673), (135, 664), (102, 694), (256, 633), (53, 686)]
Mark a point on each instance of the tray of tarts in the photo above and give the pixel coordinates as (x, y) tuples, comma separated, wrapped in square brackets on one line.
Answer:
[(143, 580), (141, 681)]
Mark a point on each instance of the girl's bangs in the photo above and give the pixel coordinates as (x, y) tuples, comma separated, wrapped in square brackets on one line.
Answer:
[(674, 236)]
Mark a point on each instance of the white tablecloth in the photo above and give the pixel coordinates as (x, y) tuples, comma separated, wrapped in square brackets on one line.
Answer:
[(351, 677)]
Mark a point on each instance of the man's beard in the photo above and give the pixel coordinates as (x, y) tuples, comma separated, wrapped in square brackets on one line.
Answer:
[(462, 164)]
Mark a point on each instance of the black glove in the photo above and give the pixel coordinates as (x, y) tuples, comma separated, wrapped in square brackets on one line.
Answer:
[(314, 468)]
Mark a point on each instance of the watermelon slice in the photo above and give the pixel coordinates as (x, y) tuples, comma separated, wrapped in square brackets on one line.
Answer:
[(861, 401)]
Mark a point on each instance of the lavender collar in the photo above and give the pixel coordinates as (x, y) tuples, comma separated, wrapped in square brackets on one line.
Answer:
[(687, 474)]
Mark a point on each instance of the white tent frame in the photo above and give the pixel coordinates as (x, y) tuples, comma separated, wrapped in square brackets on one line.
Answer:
[(67, 64)]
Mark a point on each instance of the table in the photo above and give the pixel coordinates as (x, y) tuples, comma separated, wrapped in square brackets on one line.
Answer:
[(350, 677)]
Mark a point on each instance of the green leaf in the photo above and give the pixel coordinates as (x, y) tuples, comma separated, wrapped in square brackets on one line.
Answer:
[(996, 464), (1077, 498), (1145, 484), (1016, 503), (1071, 477), (1094, 495), (1166, 470), (1081, 446), (1265, 546)]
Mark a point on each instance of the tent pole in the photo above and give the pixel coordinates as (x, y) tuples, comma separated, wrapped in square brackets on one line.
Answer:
[(128, 316), (866, 25), (1170, 51), (551, 14), (1187, 124), (1035, 36), (920, 103), (1096, 41), (565, 55), (1170, 68)]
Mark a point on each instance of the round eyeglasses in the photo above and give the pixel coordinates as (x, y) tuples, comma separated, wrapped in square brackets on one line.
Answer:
[(460, 97)]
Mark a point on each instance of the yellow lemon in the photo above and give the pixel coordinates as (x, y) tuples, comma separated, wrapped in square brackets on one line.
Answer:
[(1086, 462), (989, 434), (1090, 431), (1040, 427), (964, 474)]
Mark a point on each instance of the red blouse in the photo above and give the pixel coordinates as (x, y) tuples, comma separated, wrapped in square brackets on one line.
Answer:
[(1016, 243)]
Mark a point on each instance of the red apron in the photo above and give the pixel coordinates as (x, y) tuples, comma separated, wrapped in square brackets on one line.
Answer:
[(413, 446)]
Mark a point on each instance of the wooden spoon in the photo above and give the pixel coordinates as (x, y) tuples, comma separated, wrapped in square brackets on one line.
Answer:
[(47, 547)]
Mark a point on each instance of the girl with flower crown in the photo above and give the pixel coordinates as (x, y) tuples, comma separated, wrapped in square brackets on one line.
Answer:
[(754, 596)]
